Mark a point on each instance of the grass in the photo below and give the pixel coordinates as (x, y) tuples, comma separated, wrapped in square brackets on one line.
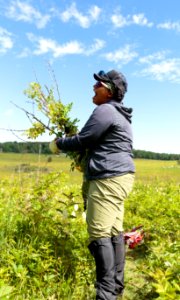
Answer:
[(150, 170), (11, 164), (146, 170)]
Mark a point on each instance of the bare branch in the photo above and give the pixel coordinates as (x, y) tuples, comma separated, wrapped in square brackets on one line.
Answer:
[(17, 130), (51, 71), (13, 132), (33, 117)]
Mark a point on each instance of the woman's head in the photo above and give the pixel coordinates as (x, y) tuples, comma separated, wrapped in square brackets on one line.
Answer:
[(116, 82), (103, 92)]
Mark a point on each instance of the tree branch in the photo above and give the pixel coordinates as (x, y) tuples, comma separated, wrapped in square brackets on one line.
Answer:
[(34, 117)]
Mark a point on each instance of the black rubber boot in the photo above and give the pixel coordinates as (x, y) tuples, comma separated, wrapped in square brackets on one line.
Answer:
[(119, 251), (103, 252)]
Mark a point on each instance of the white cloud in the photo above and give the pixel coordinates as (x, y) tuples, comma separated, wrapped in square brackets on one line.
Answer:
[(98, 45), (161, 68), (141, 20), (44, 46), (48, 45), (94, 13), (22, 11), (6, 42), (120, 21), (121, 56), (153, 57), (170, 26), (83, 20)]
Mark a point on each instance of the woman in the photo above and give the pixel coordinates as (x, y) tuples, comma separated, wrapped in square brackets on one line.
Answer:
[(107, 135)]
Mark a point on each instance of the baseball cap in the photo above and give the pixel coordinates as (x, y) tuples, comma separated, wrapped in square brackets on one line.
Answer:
[(117, 79)]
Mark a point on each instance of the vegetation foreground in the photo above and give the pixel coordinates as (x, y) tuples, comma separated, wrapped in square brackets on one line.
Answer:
[(43, 235)]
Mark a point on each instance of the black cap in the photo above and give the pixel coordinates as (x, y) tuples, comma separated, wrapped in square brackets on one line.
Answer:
[(118, 80)]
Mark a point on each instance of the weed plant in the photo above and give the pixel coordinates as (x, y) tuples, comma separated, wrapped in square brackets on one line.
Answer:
[(43, 238)]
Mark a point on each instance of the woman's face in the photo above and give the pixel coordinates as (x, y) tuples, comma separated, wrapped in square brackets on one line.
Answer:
[(102, 94)]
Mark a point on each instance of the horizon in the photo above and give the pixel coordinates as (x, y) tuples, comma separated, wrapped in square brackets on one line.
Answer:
[(39, 142)]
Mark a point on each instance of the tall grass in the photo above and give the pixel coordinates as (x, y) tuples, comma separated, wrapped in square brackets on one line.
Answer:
[(43, 238)]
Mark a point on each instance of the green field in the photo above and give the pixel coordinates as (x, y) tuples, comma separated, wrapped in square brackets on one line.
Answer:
[(43, 237), (11, 165)]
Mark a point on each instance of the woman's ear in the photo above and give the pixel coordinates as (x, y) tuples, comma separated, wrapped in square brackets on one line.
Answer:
[(110, 94)]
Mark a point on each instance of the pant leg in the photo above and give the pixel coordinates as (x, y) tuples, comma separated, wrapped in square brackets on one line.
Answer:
[(124, 185), (119, 255), (105, 212), (103, 253), (105, 209), (101, 211)]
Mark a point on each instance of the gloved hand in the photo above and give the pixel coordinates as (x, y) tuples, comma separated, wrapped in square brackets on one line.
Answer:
[(54, 148)]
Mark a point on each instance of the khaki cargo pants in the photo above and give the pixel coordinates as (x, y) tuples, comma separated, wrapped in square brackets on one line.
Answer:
[(105, 208)]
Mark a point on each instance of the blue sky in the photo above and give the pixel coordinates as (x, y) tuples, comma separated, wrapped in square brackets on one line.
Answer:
[(78, 38)]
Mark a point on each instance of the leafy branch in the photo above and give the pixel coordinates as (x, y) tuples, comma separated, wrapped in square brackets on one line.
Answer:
[(56, 114), (31, 116), (54, 118)]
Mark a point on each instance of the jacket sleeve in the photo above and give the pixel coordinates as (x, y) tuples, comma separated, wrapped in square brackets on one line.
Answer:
[(98, 123)]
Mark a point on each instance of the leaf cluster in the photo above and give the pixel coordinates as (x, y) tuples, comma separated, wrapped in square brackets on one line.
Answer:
[(57, 119)]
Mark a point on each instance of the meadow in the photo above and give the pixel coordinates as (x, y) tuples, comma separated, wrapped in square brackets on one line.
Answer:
[(12, 164), (43, 237)]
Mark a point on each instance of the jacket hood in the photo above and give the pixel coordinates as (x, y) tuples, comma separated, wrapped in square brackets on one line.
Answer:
[(125, 111)]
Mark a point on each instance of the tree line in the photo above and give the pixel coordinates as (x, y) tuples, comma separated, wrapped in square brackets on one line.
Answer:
[(43, 147)]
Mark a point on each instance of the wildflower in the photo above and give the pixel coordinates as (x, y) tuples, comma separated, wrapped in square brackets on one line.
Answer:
[(167, 264), (73, 214), (76, 207)]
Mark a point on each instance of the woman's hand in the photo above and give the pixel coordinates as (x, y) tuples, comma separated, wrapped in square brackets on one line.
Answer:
[(54, 148)]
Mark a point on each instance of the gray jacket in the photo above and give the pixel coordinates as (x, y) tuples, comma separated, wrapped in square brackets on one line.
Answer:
[(108, 136)]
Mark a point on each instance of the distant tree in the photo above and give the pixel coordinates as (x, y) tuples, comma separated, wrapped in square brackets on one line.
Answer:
[(153, 155), (33, 147)]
